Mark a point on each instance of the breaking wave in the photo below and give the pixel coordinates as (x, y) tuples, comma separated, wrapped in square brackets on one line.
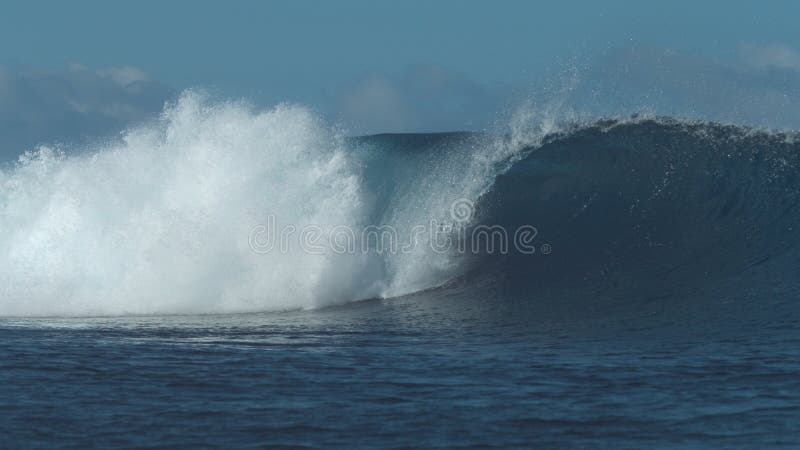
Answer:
[(161, 221)]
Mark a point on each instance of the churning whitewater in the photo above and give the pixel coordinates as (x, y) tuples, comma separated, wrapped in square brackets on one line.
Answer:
[(162, 221), (159, 222)]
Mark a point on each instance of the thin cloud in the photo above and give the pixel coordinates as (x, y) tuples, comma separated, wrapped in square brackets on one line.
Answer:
[(72, 104), (670, 82), (770, 56), (124, 76), (422, 98)]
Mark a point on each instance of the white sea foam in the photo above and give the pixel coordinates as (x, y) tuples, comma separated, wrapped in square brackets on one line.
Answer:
[(160, 221)]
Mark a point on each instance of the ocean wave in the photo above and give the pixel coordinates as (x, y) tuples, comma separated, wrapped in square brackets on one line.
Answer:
[(162, 221)]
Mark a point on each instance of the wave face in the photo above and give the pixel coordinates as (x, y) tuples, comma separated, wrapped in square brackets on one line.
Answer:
[(162, 221), (651, 215)]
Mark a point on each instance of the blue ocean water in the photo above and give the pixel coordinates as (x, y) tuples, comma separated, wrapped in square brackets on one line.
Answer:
[(394, 374), (653, 304)]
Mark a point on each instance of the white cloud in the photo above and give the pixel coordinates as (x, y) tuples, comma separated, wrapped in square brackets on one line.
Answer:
[(775, 55), (425, 97), (375, 103), (74, 103), (124, 76), (668, 82)]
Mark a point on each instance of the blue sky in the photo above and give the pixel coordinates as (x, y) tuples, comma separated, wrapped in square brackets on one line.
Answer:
[(371, 65)]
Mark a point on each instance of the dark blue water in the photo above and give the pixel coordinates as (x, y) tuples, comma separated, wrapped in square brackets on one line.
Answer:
[(393, 374), (665, 316)]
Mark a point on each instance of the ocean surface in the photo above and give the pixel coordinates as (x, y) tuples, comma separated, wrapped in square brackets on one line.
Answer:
[(232, 278)]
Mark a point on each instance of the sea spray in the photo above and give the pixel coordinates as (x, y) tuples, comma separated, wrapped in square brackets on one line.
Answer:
[(158, 223), (162, 221)]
